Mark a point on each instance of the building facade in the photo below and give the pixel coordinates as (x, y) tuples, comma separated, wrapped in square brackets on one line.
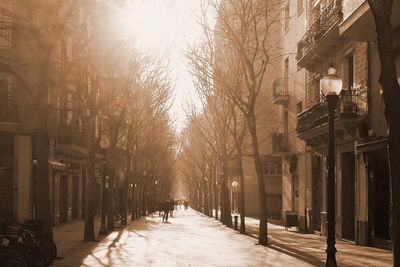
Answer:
[(68, 138), (339, 34)]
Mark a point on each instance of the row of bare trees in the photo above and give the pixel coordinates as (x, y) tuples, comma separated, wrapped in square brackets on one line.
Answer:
[(64, 61), (229, 68)]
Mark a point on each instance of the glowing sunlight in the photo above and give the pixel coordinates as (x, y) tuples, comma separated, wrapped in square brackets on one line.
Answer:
[(164, 27)]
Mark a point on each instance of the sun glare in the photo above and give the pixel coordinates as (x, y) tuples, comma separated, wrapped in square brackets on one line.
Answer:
[(152, 24), (163, 27)]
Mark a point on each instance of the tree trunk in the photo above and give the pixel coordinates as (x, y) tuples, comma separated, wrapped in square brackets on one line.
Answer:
[(226, 198), (216, 196), (144, 198), (210, 195), (90, 181), (43, 187), (241, 194), (222, 200), (391, 93), (44, 210), (111, 207), (140, 196), (205, 199), (263, 231)]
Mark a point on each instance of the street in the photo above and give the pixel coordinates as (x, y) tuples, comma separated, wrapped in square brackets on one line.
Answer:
[(192, 239)]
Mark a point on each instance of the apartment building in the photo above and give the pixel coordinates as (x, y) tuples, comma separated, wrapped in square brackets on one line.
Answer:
[(339, 34), (288, 96), (68, 139)]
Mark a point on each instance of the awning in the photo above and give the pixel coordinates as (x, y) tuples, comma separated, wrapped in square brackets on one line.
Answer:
[(56, 165)]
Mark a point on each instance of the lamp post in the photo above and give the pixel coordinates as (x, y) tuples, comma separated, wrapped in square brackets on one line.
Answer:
[(104, 144), (331, 86)]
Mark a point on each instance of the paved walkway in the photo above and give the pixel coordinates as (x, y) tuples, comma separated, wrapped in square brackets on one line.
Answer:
[(192, 239), (311, 248)]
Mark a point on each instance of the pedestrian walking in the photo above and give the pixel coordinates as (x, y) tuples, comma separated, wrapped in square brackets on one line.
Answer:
[(165, 206), (159, 208), (171, 207)]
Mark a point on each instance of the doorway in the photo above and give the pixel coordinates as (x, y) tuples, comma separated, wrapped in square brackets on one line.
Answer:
[(75, 196), (348, 195), (316, 192), (379, 197), (83, 203), (63, 198)]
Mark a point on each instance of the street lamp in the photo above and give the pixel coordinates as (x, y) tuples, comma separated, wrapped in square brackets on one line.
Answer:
[(104, 145), (331, 86)]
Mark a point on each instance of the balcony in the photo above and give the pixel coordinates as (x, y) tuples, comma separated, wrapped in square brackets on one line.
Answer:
[(280, 91), (8, 109), (280, 144), (70, 137), (312, 123), (317, 43)]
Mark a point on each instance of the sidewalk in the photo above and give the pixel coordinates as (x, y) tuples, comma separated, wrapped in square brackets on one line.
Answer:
[(188, 239), (191, 238), (69, 241), (311, 248)]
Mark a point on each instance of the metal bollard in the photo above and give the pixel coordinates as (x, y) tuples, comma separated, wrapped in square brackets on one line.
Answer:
[(236, 222)]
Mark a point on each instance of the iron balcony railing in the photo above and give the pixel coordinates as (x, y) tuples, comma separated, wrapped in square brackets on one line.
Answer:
[(330, 16), (280, 87), (280, 142), (69, 135), (8, 109), (350, 105)]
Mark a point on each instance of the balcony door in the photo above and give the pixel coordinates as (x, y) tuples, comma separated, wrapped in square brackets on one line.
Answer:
[(63, 198), (379, 198), (316, 192), (348, 195), (75, 196)]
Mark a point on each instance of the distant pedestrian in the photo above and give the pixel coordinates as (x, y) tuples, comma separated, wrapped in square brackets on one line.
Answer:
[(186, 204), (171, 207), (159, 208), (165, 208)]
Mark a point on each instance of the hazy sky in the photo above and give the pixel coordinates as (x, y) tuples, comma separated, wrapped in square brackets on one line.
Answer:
[(161, 26)]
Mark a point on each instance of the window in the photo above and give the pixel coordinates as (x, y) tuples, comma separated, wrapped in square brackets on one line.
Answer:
[(299, 107), (299, 6), (287, 17), (286, 121), (272, 167), (286, 75), (5, 30), (350, 63), (317, 91), (4, 88)]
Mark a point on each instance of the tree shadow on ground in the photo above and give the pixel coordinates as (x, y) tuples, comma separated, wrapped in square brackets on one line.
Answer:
[(116, 246), (288, 249)]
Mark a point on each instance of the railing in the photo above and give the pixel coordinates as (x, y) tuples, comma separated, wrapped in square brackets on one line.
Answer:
[(275, 215), (280, 87), (350, 105), (6, 26), (69, 135), (280, 142), (328, 18), (8, 109)]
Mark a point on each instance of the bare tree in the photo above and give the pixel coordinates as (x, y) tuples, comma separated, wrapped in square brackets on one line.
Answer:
[(242, 45), (39, 24)]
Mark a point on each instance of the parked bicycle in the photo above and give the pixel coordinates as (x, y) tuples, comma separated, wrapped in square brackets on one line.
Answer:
[(25, 244)]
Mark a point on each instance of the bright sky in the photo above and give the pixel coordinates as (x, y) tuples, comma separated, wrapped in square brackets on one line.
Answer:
[(161, 26)]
